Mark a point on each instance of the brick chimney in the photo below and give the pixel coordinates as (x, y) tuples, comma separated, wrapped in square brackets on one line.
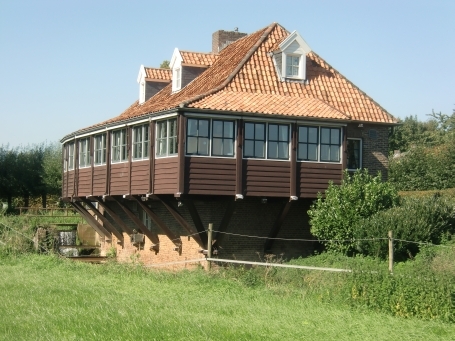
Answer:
[(221, 39)]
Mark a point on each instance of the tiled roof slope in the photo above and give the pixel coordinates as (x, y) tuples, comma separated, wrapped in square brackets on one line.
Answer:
[(243, 78), (197, 58), (162, 74)]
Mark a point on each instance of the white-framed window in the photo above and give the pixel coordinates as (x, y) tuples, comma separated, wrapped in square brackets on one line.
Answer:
[(69, 157), (177, 79), (166, 137), (319, 144), (198, 136), (223, 137), (100, 149), (354, 153), (141, 141), (84, 152), (292, 66), (119, 152), (273, 137)]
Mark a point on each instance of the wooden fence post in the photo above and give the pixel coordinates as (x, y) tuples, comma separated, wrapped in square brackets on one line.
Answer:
[(391, 252), (209, 245)]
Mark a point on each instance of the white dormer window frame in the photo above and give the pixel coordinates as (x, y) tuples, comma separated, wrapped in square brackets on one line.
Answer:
[(294, 50), (141, 80), (176, 66)]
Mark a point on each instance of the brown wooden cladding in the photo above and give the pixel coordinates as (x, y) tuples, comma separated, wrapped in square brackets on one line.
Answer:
[(166, 175), (99, 180), (84, 182), (266, 178), (314, 177), (119, 184), (209, 175), (69, 183), (140, 177)]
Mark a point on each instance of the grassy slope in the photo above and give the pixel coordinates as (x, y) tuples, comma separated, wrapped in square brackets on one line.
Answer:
[(43, 298)]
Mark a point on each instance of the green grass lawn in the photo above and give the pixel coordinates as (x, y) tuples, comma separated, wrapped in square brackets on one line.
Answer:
[(46, 298)]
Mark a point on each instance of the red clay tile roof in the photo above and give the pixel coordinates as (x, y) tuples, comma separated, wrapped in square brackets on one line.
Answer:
[(242, 77), (197, 58), (154, 73)]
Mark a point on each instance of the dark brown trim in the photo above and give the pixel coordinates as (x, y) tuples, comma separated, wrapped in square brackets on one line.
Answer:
[(106, 223), (108, 162), (293, 170), (129, 148), (197, 221), (219, 236), (139, 224), (167, 231), (125, 228), (238, 159), (151, 155), (181, 154), (183, 223), (91, 220), (92, 140), (344, 149), (76, 169), (277, 226)]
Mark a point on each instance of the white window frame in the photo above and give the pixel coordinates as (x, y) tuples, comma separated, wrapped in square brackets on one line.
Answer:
[(143, 144), (266, 141), (84, 153), (210, 136), (69, 157), (167, 140), (341, 129), (301, 74), (99, 151), (122, 146), (177, 79), (360, 153)]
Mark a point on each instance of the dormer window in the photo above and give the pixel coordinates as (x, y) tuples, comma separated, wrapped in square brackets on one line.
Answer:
[(292, 66), (177, 79)]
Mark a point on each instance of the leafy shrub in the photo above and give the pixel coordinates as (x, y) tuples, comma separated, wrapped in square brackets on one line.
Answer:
[(427, 219), (359, 196)]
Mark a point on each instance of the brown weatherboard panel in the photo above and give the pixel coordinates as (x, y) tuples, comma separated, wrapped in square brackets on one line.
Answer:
[(140, 177), (84, 182), (99, 180), (293, 158), (238, 159), (315, 177), (130, 153), (266, 178), (119, 178), (91, 164), (152, 157), (166, 175), (70, 184), (181, 136)]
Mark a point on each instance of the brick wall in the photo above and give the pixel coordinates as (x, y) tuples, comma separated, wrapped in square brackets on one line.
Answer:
[(220, 39), (250, 217), (375, 143)]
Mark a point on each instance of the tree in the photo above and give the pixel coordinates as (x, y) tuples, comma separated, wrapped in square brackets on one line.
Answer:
[(164, 64), (359, 196), (8, 180), (52, 167)]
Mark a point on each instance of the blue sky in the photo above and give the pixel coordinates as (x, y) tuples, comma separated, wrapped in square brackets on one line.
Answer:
[(65, 65)]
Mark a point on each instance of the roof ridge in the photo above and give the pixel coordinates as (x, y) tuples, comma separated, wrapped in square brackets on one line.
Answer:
[(236, 70), (210, 53), (354, 86)]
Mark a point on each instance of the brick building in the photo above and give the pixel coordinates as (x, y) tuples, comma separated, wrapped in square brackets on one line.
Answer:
[(243, 137)]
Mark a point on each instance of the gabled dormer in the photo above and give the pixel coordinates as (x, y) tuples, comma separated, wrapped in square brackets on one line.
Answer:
[(176, 67), (151, 81), (290, 59)]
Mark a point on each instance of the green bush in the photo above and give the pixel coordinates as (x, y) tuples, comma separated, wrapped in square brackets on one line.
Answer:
[(359, 196), (430, 219)]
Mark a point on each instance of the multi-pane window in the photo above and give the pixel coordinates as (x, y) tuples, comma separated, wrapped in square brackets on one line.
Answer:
[(70, 162), (198, 136), (308, 144), (177, 79), (166, 137), (84, 152), (119, 150), (254, 145), (222, 138), (278, 141), (354, 154), (330, 144), (292, 66), (141, 142), (100, 149)]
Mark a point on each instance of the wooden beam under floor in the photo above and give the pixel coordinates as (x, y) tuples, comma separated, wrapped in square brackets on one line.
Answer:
[(106, 223), (183, 223), (219, 236), (125, 228), (277, 226), (91, 220), (167, 231), (197, 221), (140, 225)]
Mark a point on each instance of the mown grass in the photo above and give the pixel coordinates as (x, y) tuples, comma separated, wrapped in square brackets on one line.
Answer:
[(49, 298)]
